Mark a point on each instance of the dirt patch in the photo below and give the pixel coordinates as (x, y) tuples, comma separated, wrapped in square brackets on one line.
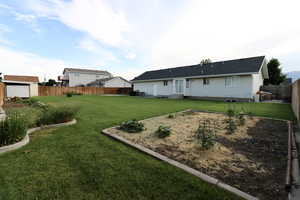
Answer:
[(252, 159)]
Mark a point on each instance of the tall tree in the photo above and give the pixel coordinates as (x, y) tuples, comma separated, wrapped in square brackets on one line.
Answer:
[(51, 82), (275, 74), (205, 61)]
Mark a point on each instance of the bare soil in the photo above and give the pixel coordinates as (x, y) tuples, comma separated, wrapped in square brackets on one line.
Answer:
[(252, 159)]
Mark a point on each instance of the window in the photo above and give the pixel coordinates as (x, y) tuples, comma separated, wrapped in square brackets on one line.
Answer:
[(187, 83), (165, 83), (205, 81), (228, 81), (231, 81), (76, 74)]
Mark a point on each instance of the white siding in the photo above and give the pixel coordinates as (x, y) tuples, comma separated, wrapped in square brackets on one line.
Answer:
[(148, 87), (117, 82), (76, 78), (242, 87), (258, 81), (34, 89)]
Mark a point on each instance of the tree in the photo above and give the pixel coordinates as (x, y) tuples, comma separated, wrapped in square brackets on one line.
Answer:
[(275, 75), (51, 82), (205, 61)]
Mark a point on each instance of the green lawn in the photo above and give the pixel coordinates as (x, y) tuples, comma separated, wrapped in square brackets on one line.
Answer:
[(78, 162)]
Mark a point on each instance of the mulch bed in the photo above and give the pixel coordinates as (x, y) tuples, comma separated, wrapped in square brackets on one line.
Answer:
[(253, 159)]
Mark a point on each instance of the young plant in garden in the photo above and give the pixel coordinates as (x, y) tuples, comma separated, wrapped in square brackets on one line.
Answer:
[(206, 134), (171, 116), (231, 125), (132, 126), (163, 131), (241, 118)]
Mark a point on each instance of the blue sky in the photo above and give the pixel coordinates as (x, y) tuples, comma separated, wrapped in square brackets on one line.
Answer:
[(41, 37)]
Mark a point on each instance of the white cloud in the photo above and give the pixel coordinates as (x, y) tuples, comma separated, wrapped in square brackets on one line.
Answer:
[(130, 55), (24, 63), (93, 17), (94, 47), (229, 29)]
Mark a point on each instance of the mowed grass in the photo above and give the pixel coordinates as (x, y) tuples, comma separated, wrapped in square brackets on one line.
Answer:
[(78, 162)]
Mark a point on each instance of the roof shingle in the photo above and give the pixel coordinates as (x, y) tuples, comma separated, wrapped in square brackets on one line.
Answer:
[(244, 65)]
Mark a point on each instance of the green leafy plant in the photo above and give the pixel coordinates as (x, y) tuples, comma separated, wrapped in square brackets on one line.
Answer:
[(13, 128), (132, 126), (206, 135), (231, 126), (55, 115), (241, 118), (163, 131)]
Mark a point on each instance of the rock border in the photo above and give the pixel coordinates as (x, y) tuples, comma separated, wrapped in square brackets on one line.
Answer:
[(26, 139), (177, 164)]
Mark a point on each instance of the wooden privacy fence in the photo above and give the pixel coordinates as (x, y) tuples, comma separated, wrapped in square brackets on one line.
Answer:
[(296, 99), (59, 91), (279, 92), (2, 91)]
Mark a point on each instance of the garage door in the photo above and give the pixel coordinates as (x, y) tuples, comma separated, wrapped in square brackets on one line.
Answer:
[(17, 90)]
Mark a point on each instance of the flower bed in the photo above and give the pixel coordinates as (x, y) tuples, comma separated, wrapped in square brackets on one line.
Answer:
[(252, 158)]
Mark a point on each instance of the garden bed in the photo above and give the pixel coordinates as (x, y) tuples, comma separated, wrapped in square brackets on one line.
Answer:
[(252, 159)]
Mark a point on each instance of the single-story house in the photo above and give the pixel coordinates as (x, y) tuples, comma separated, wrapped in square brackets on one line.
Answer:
[(81, 77), (238, 79), (21, 86), (112, 82)]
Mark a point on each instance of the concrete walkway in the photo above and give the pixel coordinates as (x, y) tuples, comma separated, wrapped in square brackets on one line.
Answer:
[(296, 191)]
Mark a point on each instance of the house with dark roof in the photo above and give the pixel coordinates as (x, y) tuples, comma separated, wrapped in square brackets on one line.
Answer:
[(78, 77), (21, 86), (111, 82), (238, 79)]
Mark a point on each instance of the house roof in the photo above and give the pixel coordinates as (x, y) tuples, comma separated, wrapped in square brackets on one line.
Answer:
[(239, 66), (103, 80), (15, 78), (85, 70)]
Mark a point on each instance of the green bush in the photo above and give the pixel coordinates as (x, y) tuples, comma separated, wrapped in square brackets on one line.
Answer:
[(55, 115), (206, 135), (12, 129), (132, 126), (70, 94), (30, 101), (163, 131)]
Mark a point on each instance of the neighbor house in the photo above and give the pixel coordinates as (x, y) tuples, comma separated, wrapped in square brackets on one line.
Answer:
[(81, 77), (239, 79), (21, 86), (111, 82)]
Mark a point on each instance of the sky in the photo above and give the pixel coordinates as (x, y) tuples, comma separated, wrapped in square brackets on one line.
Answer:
[(129, 37)]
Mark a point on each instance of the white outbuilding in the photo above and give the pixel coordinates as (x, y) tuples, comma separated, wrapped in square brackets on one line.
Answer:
[(21, 86)]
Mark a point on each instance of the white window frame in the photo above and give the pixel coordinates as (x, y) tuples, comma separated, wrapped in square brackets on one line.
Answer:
[(165, 83)]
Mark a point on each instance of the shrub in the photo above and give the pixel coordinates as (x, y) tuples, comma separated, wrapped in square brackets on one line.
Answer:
[(163, 131), (70, 94), (55, 115), (12, 129), (132, 126), (206, 135), (30, 101), (230, 112)]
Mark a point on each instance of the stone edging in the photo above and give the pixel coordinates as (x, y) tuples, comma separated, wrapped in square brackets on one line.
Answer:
[(190, 170), (26, 139)]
